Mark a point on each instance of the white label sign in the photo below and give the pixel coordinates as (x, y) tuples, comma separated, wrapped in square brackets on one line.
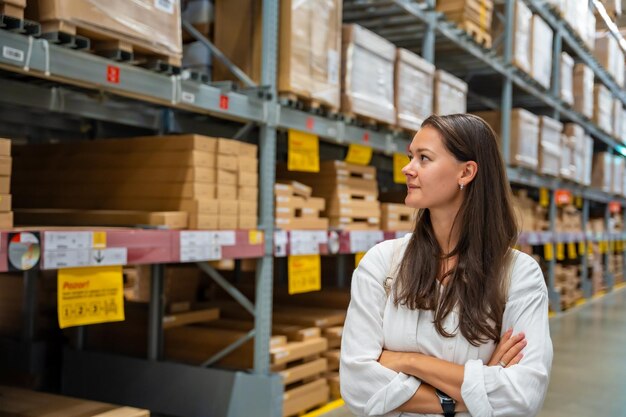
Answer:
[(166, 6), (361, 241), (200, 253), (109, 256), (70, 258), (280, 243), (188, 97), (67, 240), (13, 54)]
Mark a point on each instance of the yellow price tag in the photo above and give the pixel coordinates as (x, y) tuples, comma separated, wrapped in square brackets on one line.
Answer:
[(99, 240), (548, 251), (571, 250), (255, 237), (399, 162), (359, 154), (303, 153), (581, 248), (305, 273), (357, 258), (90, 295), (602, 246), (579, 202), (560, 251), (589, 248), (544, 197), (620, 246), (611, 246)]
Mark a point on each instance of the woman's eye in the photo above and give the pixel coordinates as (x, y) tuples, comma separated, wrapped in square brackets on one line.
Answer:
[(424, 158), (410, 156)]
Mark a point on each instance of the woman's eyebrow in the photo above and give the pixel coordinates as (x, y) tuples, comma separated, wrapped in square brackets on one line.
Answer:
[(424, 149)]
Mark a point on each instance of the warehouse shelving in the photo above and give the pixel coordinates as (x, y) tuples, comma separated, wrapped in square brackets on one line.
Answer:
[(137, 97)]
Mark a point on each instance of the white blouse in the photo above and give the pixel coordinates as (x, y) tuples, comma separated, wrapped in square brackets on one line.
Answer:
[(373, 323)]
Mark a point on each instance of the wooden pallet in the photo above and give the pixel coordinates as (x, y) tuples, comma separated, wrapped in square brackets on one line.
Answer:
[(306, 397), (481, 36), (109, 46), (355, 223), (305, 103), (9, 21)]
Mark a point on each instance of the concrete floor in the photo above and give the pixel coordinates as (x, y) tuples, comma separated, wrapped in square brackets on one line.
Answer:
[(589, 370)]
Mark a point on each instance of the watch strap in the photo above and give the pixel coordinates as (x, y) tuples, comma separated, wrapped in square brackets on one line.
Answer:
[(448, 404)]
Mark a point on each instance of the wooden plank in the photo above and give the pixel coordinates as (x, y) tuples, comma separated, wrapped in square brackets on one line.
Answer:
[(191, 317)]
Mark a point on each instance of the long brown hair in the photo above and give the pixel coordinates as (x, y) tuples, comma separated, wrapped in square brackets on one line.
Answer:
[(487, 230)]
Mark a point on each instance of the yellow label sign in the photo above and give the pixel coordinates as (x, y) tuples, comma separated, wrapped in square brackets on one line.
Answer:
[(571, 250), (255, 237), (99, 240), (357, 258), (305, 273), (544, 197), (90, 295), (399, 162), (303, 153), (620, 246), (589, 248), (612, 246), (602, 246), (548, 251), (579, 202), (560, 251), (581, 248), (359, 154)]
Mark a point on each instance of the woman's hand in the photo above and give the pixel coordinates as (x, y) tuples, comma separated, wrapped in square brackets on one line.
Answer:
[(508, 351)]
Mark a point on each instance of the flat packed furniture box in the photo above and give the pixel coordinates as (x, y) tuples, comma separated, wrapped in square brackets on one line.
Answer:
[(541, 51), (309, 46), (450, 94), (603, 107), (602, 174), (19, 402), (414, 80), (296, 208), (522, 20), (610, 56), (523, 137), (549, 146), (397, 217), (583, 90), (139, 26), (6, 199), (617, 185), (367, 81), (618, 111), (567, 78)]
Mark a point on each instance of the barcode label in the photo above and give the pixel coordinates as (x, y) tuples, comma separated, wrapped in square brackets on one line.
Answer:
[(166, 6), (188, 97), (12, 54)]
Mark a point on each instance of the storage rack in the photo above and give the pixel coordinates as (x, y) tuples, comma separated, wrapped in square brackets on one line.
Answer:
[(165, 103)]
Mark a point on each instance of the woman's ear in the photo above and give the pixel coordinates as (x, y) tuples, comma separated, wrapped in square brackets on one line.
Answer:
[(470, 169)]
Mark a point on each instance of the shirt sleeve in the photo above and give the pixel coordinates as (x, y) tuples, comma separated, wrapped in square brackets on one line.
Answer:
[(367, 387), (519, 390)]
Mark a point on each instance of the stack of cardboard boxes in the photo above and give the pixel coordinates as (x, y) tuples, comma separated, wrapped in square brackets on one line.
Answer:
[(567, 283), (610, 56), (177, 181), (567, 78), (583, 90), (367, 82), (414, 81), (603, 108), (397, 217), (523, 137), (350, 191), (450, 94), (602, 174), (474, 16), (6, 162), (549, 146), (531, 216), (569, 219), (540, 55), (296, 209)]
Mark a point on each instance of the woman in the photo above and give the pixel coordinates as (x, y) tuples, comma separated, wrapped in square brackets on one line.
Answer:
[(463, 326)]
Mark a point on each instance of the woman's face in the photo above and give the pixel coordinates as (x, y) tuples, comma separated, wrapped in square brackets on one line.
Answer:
[(433, 174)]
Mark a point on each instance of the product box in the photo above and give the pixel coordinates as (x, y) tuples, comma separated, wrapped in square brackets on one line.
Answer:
[(150, 27), (567, 78), (541, 56), (523, 136), (414, 81), (450, 95), (583, 90), (5, 147), (617, 185), (522, 20), (588, 161), (602, 107), (550, 146), (367, 82), (602, 172), (397, 217), (618, 111)]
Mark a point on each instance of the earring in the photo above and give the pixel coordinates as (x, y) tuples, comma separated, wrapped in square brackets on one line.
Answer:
[(461, 186)]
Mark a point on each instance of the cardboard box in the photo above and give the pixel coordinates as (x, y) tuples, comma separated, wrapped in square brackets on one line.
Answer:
[(583, 90), (602, 171), (5, 203), (72, 217), (294, 223), (541, 56), (228, 146), (248, 164), (204, 221), (228, 207), (5, 147), (19, 402), (224, 177), (618, 111), (368, 60), (227, 162), (588, 161), (5, 166), (248, 194), (247, 179), (567, 78), (6, 220), (567, 169), (227, 222), (414, 85), (523, 136), (551, 153), (602, 107), (450, 94), (617, 185), (302, 398), (247, 222), (522, 20), (158, 33), (247, 150), (249, 208), (225, 192), (296, 188)]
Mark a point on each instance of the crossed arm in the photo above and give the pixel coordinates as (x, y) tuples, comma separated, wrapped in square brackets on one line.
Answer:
[(444, 375)]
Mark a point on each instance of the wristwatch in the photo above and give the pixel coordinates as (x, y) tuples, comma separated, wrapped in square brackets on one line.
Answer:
[(447, 403)]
